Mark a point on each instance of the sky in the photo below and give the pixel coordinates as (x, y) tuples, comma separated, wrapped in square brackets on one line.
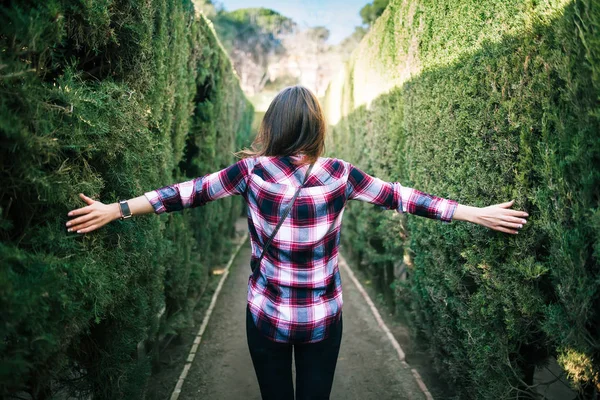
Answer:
[(339, 16)]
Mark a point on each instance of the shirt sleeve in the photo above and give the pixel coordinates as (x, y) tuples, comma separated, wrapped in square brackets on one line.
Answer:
[(394, 196), (199, 191)]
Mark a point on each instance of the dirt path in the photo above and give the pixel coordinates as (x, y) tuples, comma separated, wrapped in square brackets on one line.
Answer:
[(368, 366)]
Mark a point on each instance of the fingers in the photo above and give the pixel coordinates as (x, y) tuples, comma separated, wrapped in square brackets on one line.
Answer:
[(505, 230), (88, 229), (84, 226), (517, 213), (515, 220), (80, 211), (74, 223), (511, 225), (510, 212), (86, 199), (83, 210), (507, 204), (92, 217), (503, 219)]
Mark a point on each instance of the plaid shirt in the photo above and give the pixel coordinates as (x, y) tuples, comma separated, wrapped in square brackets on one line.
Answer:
[(296, 294)]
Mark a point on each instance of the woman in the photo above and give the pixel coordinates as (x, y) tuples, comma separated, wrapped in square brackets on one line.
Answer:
[(295, 294)]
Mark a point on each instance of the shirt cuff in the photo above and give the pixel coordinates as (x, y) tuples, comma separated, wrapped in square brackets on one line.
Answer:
[(154, 199), (448, 212)]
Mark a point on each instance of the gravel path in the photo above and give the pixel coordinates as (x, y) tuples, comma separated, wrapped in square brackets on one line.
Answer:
[(368, 366)]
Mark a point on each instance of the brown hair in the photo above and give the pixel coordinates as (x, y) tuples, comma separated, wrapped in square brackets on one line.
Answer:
[(294, 123)]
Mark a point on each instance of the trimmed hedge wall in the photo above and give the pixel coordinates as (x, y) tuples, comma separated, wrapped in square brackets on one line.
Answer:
[(112, 99), (483, 102)]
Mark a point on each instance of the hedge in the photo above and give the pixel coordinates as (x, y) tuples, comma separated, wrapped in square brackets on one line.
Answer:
[(483, 102), (112, 99)]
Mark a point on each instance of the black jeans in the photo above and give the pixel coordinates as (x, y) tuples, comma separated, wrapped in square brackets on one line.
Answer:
[(315, 364)]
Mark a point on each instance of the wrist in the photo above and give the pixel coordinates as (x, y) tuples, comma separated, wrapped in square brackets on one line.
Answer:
[(475, 214), (467, 213), (116, 211)]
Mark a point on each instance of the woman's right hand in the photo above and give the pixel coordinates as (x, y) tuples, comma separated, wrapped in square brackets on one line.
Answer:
[(95, 215), (500, 217)]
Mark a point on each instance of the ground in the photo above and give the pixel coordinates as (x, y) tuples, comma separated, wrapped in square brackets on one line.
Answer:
[(368, 366)]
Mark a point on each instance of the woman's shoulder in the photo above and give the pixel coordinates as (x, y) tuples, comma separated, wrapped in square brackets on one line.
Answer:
[(335, 167), (337, 162)]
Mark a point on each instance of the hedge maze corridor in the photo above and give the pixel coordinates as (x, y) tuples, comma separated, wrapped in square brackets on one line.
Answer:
[(480, 101)]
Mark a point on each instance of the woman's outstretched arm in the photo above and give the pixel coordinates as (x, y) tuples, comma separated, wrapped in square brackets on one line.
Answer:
[(193, 193), (97, 214), (394, 196)]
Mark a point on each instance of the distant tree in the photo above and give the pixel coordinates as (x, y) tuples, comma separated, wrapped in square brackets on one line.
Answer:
[(252, 37), (370, 12), (207, 7), (269, 51), (318, 33)]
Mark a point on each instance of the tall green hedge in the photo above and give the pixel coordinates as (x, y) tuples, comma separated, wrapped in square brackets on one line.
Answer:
[(483, 102), (110, 98)]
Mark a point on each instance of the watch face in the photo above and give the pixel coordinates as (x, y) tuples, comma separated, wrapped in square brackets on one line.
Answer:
[(125, 209)]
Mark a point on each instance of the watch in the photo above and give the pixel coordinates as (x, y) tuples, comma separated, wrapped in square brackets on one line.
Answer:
[(125, 212)]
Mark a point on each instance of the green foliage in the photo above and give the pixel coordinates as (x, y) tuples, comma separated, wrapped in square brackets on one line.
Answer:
[(252, 30), (371, 11), (318, 33), (112, 100), (503, 103)]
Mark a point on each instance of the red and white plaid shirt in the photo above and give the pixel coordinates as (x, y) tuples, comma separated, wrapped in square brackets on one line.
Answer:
[(296, 293)]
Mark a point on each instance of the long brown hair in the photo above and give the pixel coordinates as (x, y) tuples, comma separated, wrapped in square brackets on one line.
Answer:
[(294, 123)]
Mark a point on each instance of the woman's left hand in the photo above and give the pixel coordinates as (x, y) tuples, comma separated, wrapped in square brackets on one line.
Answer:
[(95, 215)]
